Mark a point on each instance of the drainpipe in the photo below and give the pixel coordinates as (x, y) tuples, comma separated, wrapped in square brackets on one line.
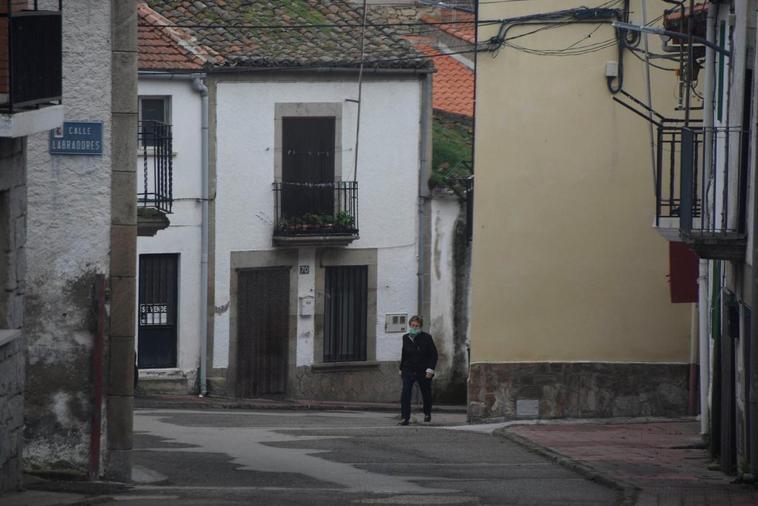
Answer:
[(703, 279), (199, 86), (425, 164)]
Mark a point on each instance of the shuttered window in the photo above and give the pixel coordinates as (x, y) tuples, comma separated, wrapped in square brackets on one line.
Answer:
[(345, 313)]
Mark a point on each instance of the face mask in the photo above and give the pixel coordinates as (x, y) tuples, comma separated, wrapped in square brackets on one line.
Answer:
[(414, 331)]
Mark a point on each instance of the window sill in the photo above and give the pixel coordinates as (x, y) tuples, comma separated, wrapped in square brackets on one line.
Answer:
[(344, 366), (9, 335)]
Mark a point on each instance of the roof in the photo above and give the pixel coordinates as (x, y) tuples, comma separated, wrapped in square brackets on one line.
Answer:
[(246, 34), (453, 84), (457, 23), (165, 48)]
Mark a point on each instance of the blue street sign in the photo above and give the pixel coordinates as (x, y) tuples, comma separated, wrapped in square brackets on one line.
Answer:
[(77, 138)]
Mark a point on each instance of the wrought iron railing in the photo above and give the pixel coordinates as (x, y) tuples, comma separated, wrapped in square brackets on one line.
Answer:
[(324, 209), (157, 157), (668, 182), (709, 199), (31, 68)]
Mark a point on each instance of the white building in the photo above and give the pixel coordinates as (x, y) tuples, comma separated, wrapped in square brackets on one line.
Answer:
[(314, 263)]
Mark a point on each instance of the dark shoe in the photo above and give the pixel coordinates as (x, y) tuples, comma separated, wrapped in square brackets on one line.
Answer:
[(428, 418), (404, 422)]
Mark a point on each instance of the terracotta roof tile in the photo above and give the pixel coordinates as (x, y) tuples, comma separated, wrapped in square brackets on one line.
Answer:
[(452, 85), (162, 47), (211, 23)]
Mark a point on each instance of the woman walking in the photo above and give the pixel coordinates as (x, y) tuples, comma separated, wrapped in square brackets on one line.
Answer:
[(417, 363)]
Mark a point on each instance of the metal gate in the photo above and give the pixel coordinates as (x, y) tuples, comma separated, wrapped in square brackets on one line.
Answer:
[(157, 310), (262, 331)]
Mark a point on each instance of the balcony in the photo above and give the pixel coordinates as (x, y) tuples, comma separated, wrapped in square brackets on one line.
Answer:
[(155, 188), (30, 69), (315, 214), (704, 205)]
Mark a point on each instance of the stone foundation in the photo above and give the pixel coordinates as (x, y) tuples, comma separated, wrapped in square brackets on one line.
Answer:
[(167, 382), (363, 382), (576, 390), (11, 412)]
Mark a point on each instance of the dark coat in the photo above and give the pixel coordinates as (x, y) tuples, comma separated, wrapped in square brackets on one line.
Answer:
[(419, 354)]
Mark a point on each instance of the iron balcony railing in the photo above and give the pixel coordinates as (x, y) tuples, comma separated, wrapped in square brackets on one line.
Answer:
[(316, 209), (709, 200), (668, 174), (156, 153), (31, 68)]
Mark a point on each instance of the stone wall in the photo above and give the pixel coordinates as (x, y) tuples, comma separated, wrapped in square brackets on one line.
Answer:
[(395, 15), (11, 413), (12, 271), (363, 383), (373, 382), (576, 390)]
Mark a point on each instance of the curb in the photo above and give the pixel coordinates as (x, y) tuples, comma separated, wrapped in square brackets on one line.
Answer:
[(629, 492), (157, 402)]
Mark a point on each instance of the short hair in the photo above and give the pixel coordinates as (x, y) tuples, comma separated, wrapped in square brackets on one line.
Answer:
[(416, 318)]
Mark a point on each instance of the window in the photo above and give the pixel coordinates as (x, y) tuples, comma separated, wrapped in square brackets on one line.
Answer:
[(153, 111), (345, 313)]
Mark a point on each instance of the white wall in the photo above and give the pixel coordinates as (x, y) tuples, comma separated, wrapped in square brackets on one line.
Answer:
[(445, 213), (68, 242), (183, 236), (387, 176)]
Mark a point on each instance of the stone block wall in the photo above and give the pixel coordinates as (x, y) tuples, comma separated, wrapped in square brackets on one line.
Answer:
[(576, 390), (12, 272), (11, 414), (376, 383)]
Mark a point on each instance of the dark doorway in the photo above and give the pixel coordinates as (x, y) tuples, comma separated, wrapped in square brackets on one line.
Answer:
[(262, 331), (157, 311), (307, 166)]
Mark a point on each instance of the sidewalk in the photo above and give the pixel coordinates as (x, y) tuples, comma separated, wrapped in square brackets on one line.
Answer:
[(653, 463), (196, 402)]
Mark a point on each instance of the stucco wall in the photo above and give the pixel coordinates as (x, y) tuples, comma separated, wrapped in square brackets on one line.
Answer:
[(566, 265), (68, 224), (183, 236), (388, 183), (446, 300)]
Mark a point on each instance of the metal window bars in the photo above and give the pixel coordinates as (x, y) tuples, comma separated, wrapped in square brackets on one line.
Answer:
[(31, 69), (709, 200), (155, 142)]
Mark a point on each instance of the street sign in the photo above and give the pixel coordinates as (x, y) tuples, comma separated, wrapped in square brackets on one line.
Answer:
[(77, 138)]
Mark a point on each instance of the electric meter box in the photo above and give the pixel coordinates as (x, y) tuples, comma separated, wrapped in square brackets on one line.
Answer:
[(396, 322), (307, 303)]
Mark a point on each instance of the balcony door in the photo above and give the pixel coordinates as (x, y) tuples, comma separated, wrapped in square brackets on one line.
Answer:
[(307, 166)]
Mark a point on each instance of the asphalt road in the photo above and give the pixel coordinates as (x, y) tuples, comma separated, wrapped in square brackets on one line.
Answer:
[(328, 458)]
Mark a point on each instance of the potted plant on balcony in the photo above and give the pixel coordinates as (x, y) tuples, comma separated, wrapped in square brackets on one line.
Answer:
[(283, 225), (344, 221), (312, 221), (327, 221), (295, 224)]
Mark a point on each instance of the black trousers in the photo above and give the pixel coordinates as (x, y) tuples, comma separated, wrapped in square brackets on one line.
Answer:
[(425, 385)]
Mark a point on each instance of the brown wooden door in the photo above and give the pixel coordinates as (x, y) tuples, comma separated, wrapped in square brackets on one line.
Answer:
[(262, 331)]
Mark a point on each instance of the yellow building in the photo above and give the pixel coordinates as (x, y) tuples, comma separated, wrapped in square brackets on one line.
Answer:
[(570, 309)]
